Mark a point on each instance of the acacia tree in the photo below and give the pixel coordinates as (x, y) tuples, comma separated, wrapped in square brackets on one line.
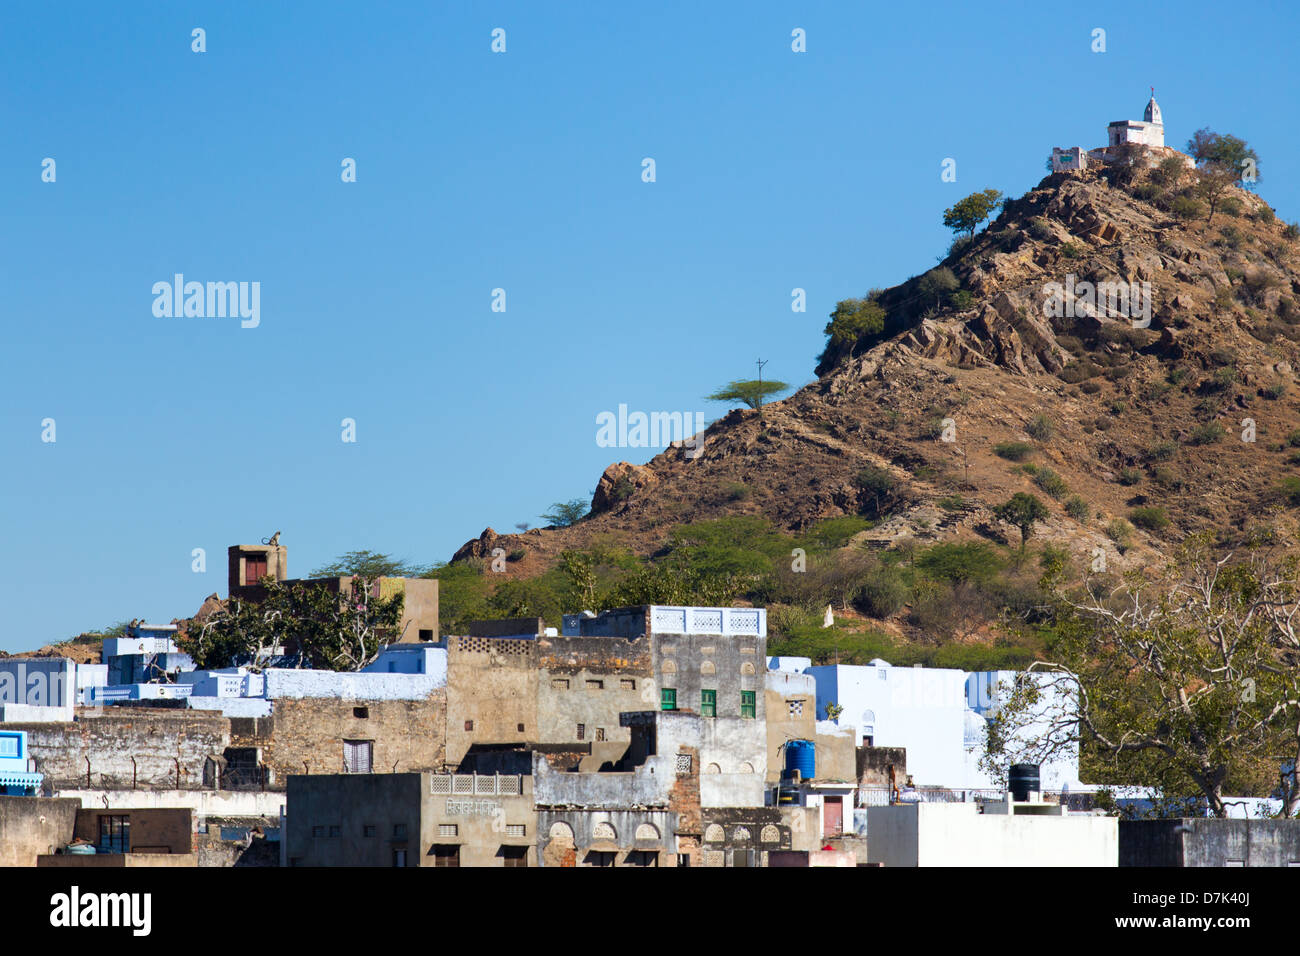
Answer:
[(749, 392), (1189, 683), (369, 564)]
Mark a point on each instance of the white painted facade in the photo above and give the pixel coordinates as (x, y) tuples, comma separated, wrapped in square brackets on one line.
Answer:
[(958, 834), (920, 708), (938, 715)]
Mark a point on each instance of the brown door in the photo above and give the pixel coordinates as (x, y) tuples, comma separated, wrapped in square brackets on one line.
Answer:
[(833, 816)]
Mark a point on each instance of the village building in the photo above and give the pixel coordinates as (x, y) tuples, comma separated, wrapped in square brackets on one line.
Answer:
[(1147, 133), (411, 819)]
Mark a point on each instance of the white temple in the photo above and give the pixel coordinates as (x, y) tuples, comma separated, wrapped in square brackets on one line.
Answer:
[(1148, 132)]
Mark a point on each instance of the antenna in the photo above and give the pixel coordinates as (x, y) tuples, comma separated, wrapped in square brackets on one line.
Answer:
[(760, 363)]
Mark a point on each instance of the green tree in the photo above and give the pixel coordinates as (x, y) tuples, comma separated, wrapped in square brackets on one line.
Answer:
[(967, 214), (937, 283), (314, 626), (565, 513), (1214, 150), (1022, 510), (369, 564), (853, 320), (749, 392), (1187, 683), (878, 483)]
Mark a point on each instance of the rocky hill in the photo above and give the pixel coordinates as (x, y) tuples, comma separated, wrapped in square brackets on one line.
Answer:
[(1132, 435)]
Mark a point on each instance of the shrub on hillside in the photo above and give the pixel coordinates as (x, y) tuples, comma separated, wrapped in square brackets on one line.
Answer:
[(1040, 428), (1149, 518), (1051, 482), (1013, 450)]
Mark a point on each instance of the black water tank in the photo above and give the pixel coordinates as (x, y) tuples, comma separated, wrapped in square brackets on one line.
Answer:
[(1022, 780)]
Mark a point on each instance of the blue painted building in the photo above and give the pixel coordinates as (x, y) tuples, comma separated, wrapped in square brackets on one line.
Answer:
[(17, 776)]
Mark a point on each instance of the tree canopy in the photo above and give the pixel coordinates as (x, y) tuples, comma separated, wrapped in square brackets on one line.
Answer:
[(1188, 683), (1223, 152), (369, 564), (1022, 510), (749, 392), (967, 214), (301, 625), (565, 513), (854, 319)]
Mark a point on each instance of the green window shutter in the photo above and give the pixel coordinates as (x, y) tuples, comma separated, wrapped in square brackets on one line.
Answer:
[(668, 698), (708, 703), (748, 706)]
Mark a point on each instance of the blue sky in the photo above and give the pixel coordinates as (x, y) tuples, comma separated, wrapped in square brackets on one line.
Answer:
[(476, 171)]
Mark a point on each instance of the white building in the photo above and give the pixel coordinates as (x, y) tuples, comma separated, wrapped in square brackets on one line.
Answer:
[(1148, 132), (920, 708), (990, 834), (939, 716)]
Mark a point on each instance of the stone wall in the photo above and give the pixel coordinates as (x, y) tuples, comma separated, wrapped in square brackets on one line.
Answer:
[(128, 748), (32, 826), (491, 693), (305, 736), (589, 681)]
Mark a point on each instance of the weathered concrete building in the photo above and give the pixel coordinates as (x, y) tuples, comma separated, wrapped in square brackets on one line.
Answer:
[(1210, 842), (31, 827), (409, 819)]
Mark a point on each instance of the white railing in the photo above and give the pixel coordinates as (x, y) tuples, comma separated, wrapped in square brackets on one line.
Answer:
[(723, 621), (473, 784)]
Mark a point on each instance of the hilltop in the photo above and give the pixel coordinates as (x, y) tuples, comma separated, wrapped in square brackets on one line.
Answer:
[(1133, 436)]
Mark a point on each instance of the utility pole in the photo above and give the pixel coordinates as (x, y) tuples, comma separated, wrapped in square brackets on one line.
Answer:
[(761, 363)]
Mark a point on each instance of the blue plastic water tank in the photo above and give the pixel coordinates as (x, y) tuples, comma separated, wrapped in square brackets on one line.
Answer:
[(801, 755)]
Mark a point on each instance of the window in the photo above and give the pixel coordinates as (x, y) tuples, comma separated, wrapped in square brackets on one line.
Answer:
[(642, 858), (708, 703), (748, 705), (595, 685), (600, 858), (426, 634), (668, 698), (582, 731), (600, 733), (469, 725), (626, 684), (9, 745), (114, 834), (318, 831), (519, 727), (560, 683), (336, 831), (368, 830), (795, 707), (399, 831), (357, 755), (399, 857), (684, 763), (514, 856), (446, 854), (254, 568), (448, 830), (361, 713), (515, 830)]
